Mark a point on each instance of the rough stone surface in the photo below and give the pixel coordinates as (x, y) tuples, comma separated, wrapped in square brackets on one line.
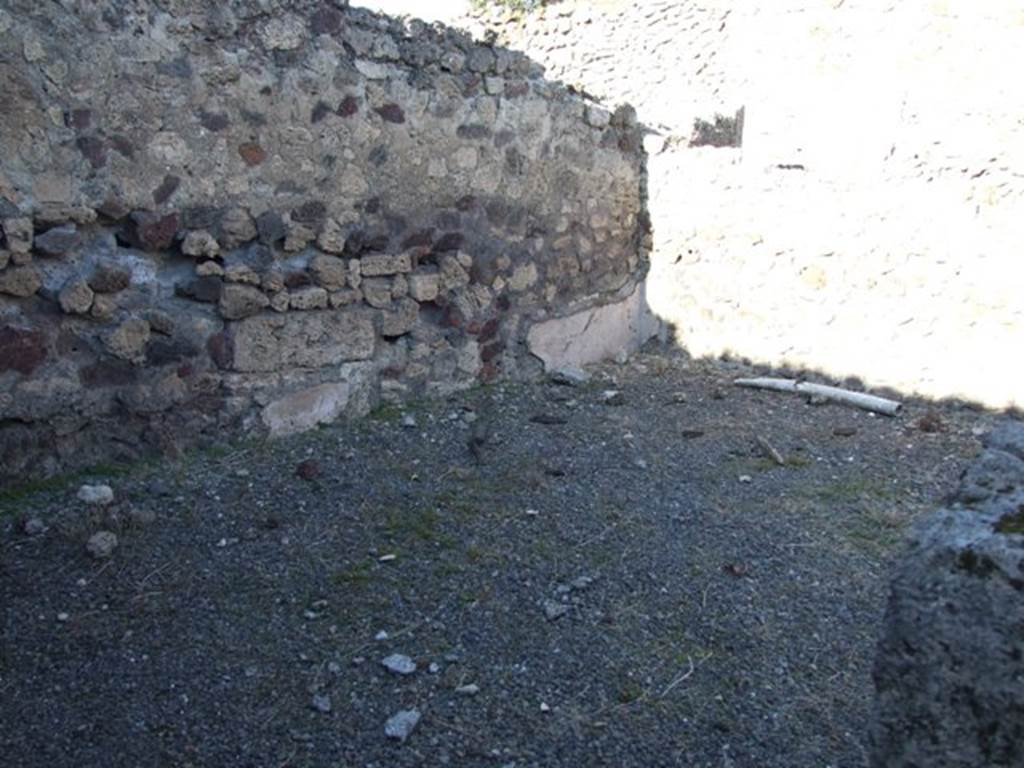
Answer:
[(329, 271), (951, 659), (377, 292), (128, 340), (311, 297), (103, 307), (200, 243), (110, 278), (21, 349), (236, 228), (241, 273), (385, 264), (20, 281), (424, 286), (76, 297), (399, 320), (238, 301), (296, 188), (304, 340), (57, 241), (18, 234)]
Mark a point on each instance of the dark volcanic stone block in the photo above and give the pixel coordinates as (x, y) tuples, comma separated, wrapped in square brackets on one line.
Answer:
[(21, 349), (949, 673)]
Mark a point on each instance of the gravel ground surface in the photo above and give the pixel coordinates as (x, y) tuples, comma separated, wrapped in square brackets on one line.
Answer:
[(576, 579)]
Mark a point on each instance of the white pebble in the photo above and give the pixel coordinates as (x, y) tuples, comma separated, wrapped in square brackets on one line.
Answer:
[(399, 663), (96, 494)]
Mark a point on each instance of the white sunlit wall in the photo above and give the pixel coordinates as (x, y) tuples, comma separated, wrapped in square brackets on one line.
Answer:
[(869, 222)]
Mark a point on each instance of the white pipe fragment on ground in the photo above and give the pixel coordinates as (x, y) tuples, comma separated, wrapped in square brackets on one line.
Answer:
[(857, 399)]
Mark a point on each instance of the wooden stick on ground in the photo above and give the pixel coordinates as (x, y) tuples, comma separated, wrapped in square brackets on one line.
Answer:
[(857, 399), (770, 451)]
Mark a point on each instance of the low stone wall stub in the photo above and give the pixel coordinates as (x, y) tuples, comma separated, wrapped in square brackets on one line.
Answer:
[(949, 672)]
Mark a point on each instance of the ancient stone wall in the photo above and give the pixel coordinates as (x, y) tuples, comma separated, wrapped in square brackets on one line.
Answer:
[(260, 216), (835, 185), (950, 662)]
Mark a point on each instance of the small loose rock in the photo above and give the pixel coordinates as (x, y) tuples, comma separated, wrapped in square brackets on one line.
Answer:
[(554, 610), (400, 725), (321, 703), (581, 582), (309, 469), (33, 526), (100, 495), (141, 517), (399, 664), (613, 397), (101, 545), (569, 377)]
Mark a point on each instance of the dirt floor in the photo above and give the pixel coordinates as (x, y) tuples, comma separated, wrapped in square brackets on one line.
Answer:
[(577, 578)]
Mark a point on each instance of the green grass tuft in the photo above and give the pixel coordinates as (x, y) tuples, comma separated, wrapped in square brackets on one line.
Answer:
[(356, 577)]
